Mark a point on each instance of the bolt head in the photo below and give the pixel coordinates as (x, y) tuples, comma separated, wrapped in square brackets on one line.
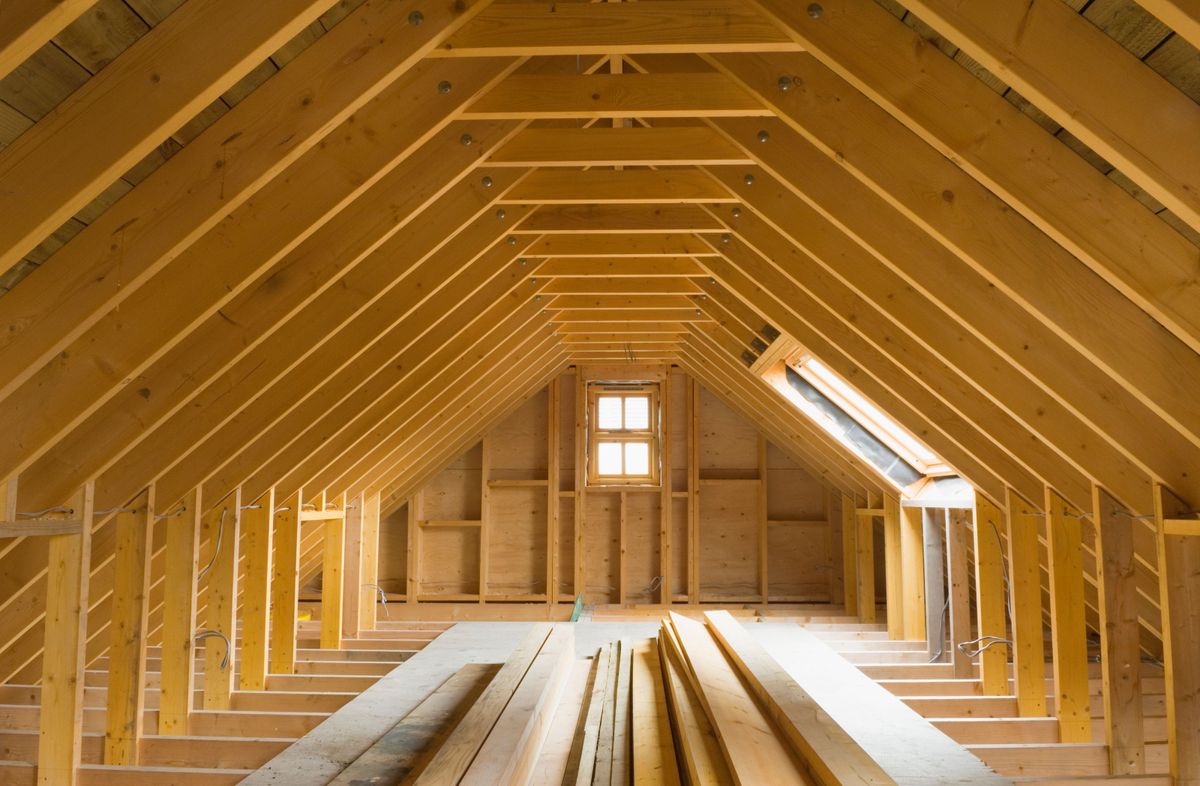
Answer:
[(763, 136), (712, 280), (725, 239), (487, 181), (466, 140), (533, 281), (416, 18), (815, 10), (500, 213), (511, 240), (444, 87), (737, 212), (785, 83), (524, 262), (697, 312), (748, 180)]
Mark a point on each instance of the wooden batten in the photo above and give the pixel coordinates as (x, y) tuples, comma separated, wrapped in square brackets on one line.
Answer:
[(257, 524), (222, 531), (1025, 600), (178, 679), (285, 583), (989, 597), (1068, 627)]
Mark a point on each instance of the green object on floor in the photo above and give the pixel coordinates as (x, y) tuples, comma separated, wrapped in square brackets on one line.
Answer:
[(575, 612)]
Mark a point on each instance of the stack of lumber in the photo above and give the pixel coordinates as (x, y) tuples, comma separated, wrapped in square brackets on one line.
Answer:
[(703, 703)]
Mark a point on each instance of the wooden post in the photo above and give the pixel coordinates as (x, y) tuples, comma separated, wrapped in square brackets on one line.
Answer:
[(764, 589), (665, 505), (61, 716), (552, 501), (352, 582), (893, 566), (1025, 600), (257, 521), (127, 652), (1179, 586), (1068, 628), (912, 571), (369, 599), (331, 580), (989, 596), (865, 544), (285, 584), (936, 561), (411, 584), (849, 556), (580, 481), (179, 617), (693, 491), (622, 540), (1120, 645), (485, 529), (957, 564), (221, 601)]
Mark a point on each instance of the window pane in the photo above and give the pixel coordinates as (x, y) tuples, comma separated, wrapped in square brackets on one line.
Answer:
[(608, 413), (637, 413), (637, 458), (608, 458)]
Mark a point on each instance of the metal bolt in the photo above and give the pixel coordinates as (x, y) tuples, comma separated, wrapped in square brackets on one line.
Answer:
[(737, 212), (763, 136), (444, 87), (697, 312), (466, 140), (785, 83), (511, 240), (712, 280), (704, 297), (500, 214), (487, 182), (533, 281), (538, 298), (524, 262), (416, 18), (748, 179), (725, 239), (815, 10)]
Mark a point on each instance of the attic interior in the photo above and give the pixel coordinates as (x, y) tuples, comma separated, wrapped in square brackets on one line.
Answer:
[(659, 392)]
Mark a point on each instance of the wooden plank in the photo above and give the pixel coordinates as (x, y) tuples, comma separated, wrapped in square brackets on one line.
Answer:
[(865, 557), (368, 601), (579, 770), (602, 771), (257, 525), (553, 477), (989, 595), (1120, 645), (912, 565), (1068, 626), (455, 755), (126, 695), (331, 583), (625, 187), (617, 267), (690, 145), (223, 532), (1025, 600), (893, 565), (285, 583), (622, 740), (698, 743), (178, 674), (538, 96), (764, 586), (40, 527), (1179, 583), (352, 583), (1182, 16), (511, 748), (525, 29), (653, 744), (60, 720), (158, 84), (828, 751), (849, 556), (402, 751), (666, 508), (752, 748), (959, 582), (26, 26)]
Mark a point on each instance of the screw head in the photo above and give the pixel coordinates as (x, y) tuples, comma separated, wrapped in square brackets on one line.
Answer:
[(500, 213), (538, 298), (416, 18), (748, 179), (466, 140), (487, 181), (785, 83), (726, 239), (712, 280), (444, 87), (697, 312), (524, 262), (533, 281), (511, 240), (815, 10), (737, 212), (763, 136)]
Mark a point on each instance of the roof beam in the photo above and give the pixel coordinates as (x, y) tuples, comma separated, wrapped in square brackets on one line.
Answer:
[(624, 187), (623, 330), (620, 267), (26, 26), (617, 219), (114, 119), (665, 146), (1182, 16), (620, 286), (553, 96), (234, 158), (525, 28), (594, 246)]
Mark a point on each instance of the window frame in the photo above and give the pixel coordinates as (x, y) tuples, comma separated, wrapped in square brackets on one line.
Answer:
[(650, 435)]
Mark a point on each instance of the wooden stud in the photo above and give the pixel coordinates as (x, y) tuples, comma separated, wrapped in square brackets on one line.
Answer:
[(484, 517), (893, 565), (127, 651), (1120, 645), (352, 582), (958, 580), (223, 532), (912, 560), (693, 415), (580, 483), (552, 501), (178, 676), (760, 507), (1068, 628), (332, 581), (1179, 583), (989, 595), (865, 571), (623, 539), (257, 524), (849, 556), (60, 719), (285, 583), (413, 546), (369, 600), (1025, 600), (666, 505), (26, 27)]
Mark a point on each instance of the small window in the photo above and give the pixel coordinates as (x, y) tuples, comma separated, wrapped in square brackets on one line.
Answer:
[(623, 434)]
